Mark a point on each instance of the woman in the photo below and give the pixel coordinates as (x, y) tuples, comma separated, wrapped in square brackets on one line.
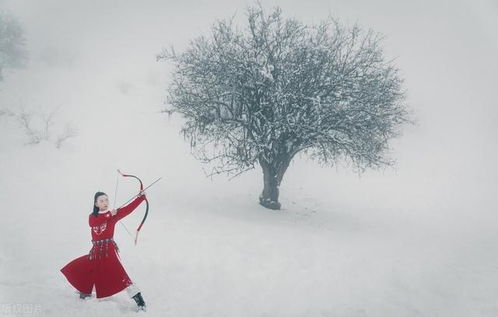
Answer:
[(101, 268)]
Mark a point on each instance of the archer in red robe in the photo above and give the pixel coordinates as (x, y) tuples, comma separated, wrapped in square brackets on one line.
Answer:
[(101, 267)]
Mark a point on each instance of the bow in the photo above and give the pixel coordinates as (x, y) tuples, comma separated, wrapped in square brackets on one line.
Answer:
[(146, 202)]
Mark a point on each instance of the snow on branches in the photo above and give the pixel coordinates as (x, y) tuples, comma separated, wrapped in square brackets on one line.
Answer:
[(279, 87)]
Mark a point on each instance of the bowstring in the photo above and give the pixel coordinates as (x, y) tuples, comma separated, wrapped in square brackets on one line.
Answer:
[(114, 206)]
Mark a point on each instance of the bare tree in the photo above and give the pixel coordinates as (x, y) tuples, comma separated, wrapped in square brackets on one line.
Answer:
[(68, 132), (34, 135), (277, 88), (39, 127)]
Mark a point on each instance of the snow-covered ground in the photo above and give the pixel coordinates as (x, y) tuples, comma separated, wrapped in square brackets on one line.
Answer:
[(416, 240)]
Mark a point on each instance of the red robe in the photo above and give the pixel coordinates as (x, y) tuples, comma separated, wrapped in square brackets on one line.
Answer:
[(101, 267)]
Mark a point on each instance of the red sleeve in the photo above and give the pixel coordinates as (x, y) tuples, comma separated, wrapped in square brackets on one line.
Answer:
[(126, 210), (101, 218)]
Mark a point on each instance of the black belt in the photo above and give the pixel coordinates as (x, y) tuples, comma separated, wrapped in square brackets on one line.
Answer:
[(97, 252), (102, 241)]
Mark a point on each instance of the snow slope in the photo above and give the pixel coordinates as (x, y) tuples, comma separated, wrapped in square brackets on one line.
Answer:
[(342, 246)]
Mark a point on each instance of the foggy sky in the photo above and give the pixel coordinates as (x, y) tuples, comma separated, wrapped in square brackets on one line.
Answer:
[(446, 51)]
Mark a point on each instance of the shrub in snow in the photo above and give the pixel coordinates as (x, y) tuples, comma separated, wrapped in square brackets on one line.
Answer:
[(39, 127)]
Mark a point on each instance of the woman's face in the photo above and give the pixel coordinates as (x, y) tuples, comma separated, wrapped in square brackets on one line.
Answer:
[(102, 202)]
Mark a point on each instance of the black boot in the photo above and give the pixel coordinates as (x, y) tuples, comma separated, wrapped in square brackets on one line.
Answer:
[(140, 301), (84, 295)]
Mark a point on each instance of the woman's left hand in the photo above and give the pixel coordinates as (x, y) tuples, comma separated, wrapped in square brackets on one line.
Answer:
[(141, 193)]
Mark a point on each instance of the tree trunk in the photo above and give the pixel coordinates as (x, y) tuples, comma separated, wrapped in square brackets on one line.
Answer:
[(272, 177)]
